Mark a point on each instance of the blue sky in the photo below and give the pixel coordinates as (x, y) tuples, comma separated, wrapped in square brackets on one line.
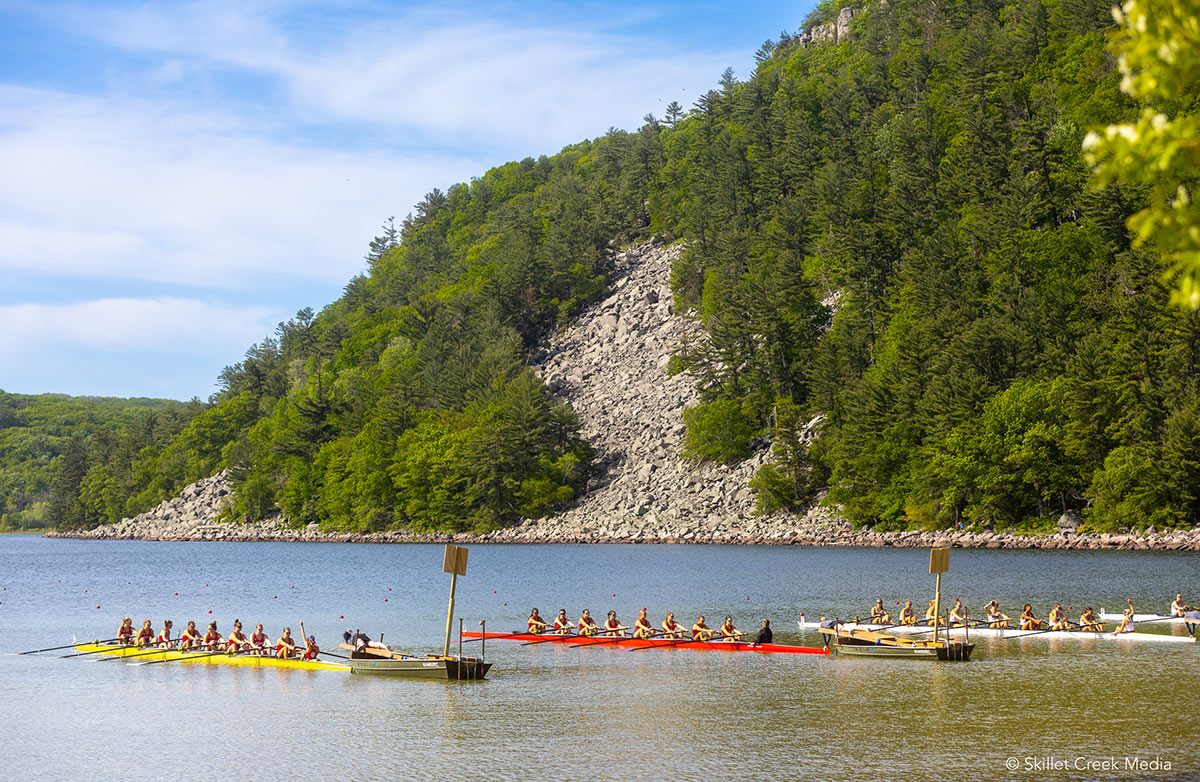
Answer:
[(179, 177)]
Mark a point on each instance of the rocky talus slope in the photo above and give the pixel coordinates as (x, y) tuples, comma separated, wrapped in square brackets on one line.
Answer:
[(611, 366)]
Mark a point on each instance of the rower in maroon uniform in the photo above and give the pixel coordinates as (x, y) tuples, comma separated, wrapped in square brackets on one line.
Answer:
[(536, 624), (641, 626), (164, 635), (613, 626), (191, 636), (562, 625), (145, 636), (671, 628), (587, 625), (125, 633)]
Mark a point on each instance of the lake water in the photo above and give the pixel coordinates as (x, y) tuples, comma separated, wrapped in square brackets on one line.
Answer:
[(555, 713)]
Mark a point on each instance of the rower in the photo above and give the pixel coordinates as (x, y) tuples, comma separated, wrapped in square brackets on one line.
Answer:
[(879, 615), (1126, 625), (562, 625), (907, 615), (164, 636), (1028, 620), (701, 631), (587, 625), (191, 636), (641, 626), (671, 628), (311, 650), (237, 639), (1089, 623), (958, 614), (995, 617), (125, 633), (285, 647), (613, 626), (930, 613), (727, 628), (1177, 606), (537, 625), (258, 639), (145, 636), (1058, 618), (212, 639), (765, 636)]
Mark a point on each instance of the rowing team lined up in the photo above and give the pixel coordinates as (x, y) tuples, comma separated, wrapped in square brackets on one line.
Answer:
[(642, 627), (237, 642), (1057, 620)]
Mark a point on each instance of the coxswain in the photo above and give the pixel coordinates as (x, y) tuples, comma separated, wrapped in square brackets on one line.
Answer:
[(311, 650), (907, 615), (145, 636), (537, 625), (1126, 625), (587, 625), (237, 639), (1058, 618), (879, 615), (285, 647), (765, 636), (213, 639), (727, 628), (958, 614), (164, 635), (125, 633), (258, 639), (613, 626), (191, 636), (562, 625), (995, 617), (641, 626), (1177, 606), (671, 628), (701, 631), (1089, 623), (1028, 620)]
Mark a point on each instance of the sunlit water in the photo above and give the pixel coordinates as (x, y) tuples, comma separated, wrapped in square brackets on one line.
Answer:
[(549, 712)]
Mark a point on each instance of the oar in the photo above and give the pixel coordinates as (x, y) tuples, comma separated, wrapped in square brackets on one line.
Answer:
[(95, 651), (142, 654), (552, 637), (66, 646), (502, 637), (687, 641), (1072, 627), (181, 659), (605, 639)]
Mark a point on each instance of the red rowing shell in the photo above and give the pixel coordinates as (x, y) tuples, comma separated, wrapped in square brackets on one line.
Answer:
[(641, 643)]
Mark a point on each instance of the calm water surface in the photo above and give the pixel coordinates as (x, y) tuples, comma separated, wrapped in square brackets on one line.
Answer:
[(580, 714)]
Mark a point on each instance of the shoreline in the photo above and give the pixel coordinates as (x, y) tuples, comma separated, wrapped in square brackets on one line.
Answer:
[(825, 537)]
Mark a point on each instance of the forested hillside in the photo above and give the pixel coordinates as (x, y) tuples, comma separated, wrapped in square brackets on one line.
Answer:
[(892, 231)]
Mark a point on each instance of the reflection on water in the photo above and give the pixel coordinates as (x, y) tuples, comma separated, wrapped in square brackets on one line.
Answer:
[(569, 713)]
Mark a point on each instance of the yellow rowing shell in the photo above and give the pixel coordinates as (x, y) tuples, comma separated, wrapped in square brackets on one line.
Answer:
[(257, 661)]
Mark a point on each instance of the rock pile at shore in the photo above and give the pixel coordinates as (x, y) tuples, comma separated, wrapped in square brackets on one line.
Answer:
[(611, 366)]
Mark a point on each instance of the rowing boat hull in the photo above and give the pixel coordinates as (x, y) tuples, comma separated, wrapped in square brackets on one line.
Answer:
[(241, 660), (1013, 632), (651, 643)]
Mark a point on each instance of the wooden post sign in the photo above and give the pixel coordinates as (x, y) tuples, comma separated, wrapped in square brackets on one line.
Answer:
[(455, 563), (939, 562)]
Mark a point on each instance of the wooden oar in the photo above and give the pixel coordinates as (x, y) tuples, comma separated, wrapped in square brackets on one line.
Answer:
[(66, 646), (688, 641)]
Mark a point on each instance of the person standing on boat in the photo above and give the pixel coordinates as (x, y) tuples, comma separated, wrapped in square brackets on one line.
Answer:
[(1177, 606), (1126, 625), (671, 628), (727, 628), (701, 631), (258, 639), (1028, 620), (145, 636), (536, 624), (641, 626), (958, 614), (995, 617), (907, 615), (587, 625), (237, 639), (1058, 618), (765, 636), (879, 614), (285, 647), (1089, 623), (164, 635), (191, 636), (125, 633), (612, 626), (562, 625)]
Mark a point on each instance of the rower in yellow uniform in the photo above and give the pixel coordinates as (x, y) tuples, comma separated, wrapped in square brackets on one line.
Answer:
[(958, 614), (641, 626), (879, 615), (562, 625), (701, 631), (587, 625), (671, 628), (995, 617), (537, 625), (613, 626), (727, 628), (1058, 618), (191, 637), (1028, 620), (907, 615), (1088, 622)]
